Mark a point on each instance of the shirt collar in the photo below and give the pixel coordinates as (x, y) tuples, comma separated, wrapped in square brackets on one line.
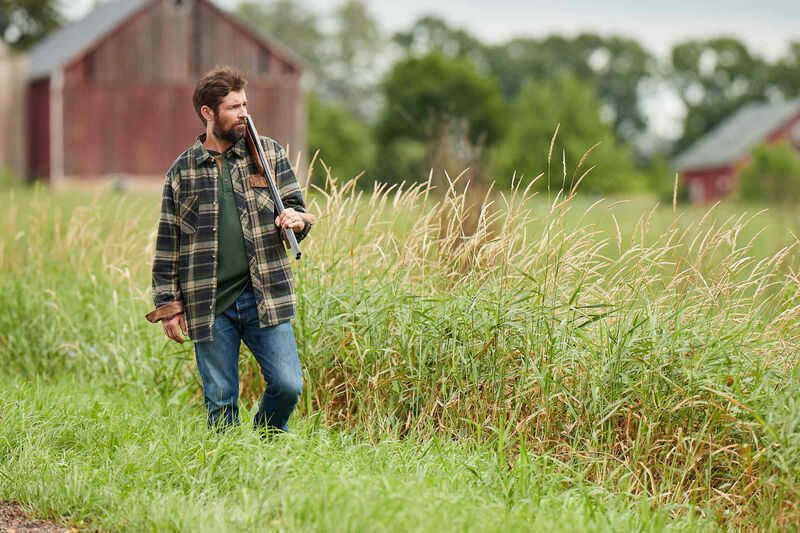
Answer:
[(201, 154)]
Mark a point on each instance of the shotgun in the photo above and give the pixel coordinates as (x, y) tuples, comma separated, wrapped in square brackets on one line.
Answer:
[(261, 162)]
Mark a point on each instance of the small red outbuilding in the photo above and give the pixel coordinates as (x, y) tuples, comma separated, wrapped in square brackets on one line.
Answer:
[(710, 167), (112, 93)]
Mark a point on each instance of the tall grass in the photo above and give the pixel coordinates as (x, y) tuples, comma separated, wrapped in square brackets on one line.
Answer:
[(661, 366), (664, 367)]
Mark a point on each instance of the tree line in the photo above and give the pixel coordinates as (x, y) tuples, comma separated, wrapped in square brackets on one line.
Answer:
[(436, 96)]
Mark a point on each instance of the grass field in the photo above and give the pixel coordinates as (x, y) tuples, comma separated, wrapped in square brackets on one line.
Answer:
[(570, 364)]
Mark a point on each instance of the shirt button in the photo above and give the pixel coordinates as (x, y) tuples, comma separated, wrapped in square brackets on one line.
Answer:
[(215, 229)]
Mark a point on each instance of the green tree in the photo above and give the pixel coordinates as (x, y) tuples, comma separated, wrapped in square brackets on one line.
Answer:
[(352, 59), (341, 63), (430, 33), (289, 22), (537, 110), (343, 142), (714, 78), (773, 175), (24, 22), (614, 66), (442, 103), (421, 93), (786, 72)]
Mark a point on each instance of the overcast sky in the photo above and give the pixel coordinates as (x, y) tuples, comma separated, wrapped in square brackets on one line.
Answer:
[(765, 25)]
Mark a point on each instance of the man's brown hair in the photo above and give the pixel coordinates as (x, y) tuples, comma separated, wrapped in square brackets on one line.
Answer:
[(214, 86)]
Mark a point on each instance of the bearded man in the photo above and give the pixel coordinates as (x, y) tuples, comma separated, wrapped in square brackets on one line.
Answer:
[(221, 272)]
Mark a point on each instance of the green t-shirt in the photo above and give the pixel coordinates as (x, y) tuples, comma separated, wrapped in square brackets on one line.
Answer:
[(233, 269)]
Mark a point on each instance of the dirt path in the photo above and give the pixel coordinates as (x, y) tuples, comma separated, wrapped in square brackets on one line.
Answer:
[(14, 520)]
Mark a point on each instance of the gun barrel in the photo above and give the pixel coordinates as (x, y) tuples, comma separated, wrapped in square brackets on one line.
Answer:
[(261, 161)]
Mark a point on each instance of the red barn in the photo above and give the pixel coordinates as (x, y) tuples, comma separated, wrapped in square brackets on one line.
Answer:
[(112, 93), (711, 165)]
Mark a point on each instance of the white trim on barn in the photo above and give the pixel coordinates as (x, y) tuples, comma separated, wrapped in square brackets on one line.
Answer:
[(13, 76), (57, 128)]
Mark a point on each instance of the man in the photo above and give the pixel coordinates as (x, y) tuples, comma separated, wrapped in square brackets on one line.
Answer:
[(220, 271)]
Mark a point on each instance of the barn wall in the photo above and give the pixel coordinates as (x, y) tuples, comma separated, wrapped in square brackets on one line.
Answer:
[(239, 46), (710, 185), (117, 135), (128, 101), (13, 73)]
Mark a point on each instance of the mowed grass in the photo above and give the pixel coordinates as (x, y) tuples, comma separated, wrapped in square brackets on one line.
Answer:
[(566, 363)]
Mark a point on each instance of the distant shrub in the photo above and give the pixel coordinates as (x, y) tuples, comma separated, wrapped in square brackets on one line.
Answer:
[(773, 175)]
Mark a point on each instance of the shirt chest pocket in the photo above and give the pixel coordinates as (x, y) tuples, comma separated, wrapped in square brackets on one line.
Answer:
[(189, 214), (264, 203)]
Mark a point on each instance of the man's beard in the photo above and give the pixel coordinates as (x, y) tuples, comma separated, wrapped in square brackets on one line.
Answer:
[(232, 134)]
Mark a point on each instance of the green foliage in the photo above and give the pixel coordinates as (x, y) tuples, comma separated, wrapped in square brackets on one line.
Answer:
[(430, 33), (714, 78), (786, 73), (613, 66), (401, 160), (660, 180), (423, 93), (6, 177), (435, 96), (290, 23), (538, 109), (340, 54), (773, 175), (23, 23), (344, 143)]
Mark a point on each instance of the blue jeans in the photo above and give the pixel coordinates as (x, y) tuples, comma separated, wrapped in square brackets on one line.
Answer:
[(276, 353)]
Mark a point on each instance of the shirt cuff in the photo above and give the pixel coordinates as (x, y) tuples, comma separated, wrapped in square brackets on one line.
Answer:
[(165, 312), (302, 234)]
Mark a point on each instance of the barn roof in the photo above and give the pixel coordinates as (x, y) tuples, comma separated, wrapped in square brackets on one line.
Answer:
[(735, 136), (70, 41), (66, 43)]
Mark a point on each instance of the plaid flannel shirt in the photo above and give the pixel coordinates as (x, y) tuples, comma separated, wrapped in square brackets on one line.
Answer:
[(185, 263)]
